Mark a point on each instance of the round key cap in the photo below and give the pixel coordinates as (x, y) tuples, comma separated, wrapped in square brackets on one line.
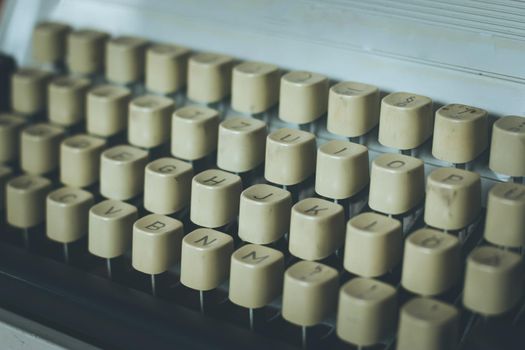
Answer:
[(205, 260), (290, 156), (353, 108), (241, 144), (157, 241), (264, 214), (107, 110), (493, 281), (374, 244), (167, 185), (427, 324), (80, 160), (460, 133), (194, 132), (508, 143), (453, 198), (367, 311), (149, 120), (10, 128), (431, 262), (49, 42), (255, 87), (209, 77), (110, 228), (317, 228), (67, 211), (215, 198), (124, 59), (85, 51), (5, 175), (166, 68), (28, 91), (65, 99), (406, 120), (122, 172), (397, 183), (505, 220), (303, 97), (256, 276), (40, 147), (26, 200), (341, 170)]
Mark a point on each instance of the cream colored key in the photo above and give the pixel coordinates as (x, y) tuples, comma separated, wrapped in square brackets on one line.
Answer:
[(431, 262), (40, 147), (209, 77), (353, 108), (493, 281), (341, 170), (5, 175), (397, 183), (309, 293), (453, 198), (167, 185), (255, 87), (264, 214), (28, 91), (241, 144), (215, 198), (65, 99), (303, 97), (508, 146), (149, 120), (290, 156), (10, 127), (124, 59), (428, 324), (256, 276), (317, 229), (107, 110), (460, 133), (166, 68), (26, 200), (406, 120), (67, 211), (110, 228), (85, 51), (157, 241), (122, 172), (194, 132), (505, 219), (80, 160), (373, 245), (49, 42), (367, 311), (205, 260)]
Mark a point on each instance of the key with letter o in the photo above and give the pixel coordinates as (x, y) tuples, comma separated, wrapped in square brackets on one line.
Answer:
[(49, 42), (80, 160), (65, 99), (26, 200), (40, 148), (124, 59), (107, 110), (29, 91), (149, 121), (166, 68), (10, 128), (85, 51), (508, 142), (209, 77)]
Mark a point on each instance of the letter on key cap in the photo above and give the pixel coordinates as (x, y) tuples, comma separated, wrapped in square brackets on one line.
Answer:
[(67, 211), (26, 200), (167, 185), (241, 144), (107, 110), (85, 51), (256, 276), (290, 156), (122, 172), (28, 91), (110, 228), (508, 146), (373, 245), (205, 260), (10, 128), (65, 99), (80, 160), (209, 77), (215, 198), (453, 198), (309, 293), (49, 42), (124, 59), (317, 228), (166, 68), (40, 148), (149, 121), (397, 183), (367, 311), (157, 241)]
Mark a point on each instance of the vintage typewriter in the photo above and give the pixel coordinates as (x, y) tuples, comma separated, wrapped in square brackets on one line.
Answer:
[(254, 175)]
